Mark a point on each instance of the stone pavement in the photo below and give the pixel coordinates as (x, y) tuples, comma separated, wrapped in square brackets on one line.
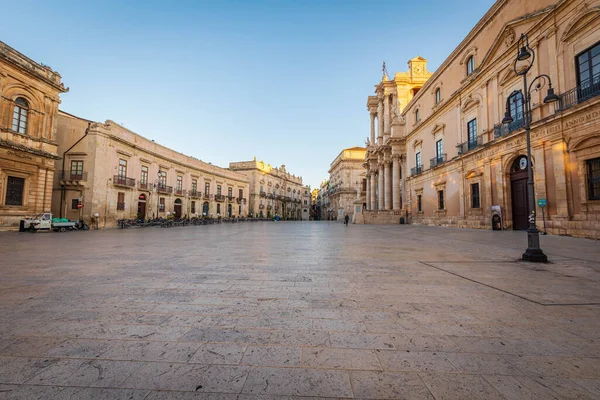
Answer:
[(297, 310)]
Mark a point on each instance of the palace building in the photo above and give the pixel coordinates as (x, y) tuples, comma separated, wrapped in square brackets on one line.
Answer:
[(108, 170), (273, 191), (29, 99), (456, 164)]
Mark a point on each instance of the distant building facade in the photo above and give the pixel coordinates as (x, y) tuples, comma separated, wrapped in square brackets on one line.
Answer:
[(273, 191), (347, 182), (113, 172), (457, 160), (306, 203), (29, 99)]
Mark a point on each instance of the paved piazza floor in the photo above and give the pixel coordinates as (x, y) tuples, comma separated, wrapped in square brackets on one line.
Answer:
[(284, 310)]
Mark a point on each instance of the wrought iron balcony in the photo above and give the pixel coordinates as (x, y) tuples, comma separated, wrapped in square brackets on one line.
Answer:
[(206, 196), (160, 188), (435, 161), (269, 207), (144, 185), (230, 198), (504, 129), (586, 90), (416, 170), (469, 145), (219, 197), (123, 181), (73, 176), (179, 192), (263, 194), (261, 206), (195, 193)]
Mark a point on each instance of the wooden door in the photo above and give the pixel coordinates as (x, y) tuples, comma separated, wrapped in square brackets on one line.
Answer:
[(142, 209), (520, 211)]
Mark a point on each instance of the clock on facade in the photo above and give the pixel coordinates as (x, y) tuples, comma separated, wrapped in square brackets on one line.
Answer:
[(523, 163)]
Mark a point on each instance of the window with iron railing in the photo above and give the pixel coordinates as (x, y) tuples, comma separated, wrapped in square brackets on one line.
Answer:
[(122, 168), (161, 204), (144, 177), (76, 170)]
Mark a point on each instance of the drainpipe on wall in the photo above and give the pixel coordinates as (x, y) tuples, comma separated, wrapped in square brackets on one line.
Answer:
[(63, 186)]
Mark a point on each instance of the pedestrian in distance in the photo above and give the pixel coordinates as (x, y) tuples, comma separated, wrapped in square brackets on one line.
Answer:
[(346, 218)]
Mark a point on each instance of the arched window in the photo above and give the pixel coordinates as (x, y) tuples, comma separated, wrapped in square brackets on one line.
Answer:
[(438, 95), (470, 65), (417, 115), (20, 115)]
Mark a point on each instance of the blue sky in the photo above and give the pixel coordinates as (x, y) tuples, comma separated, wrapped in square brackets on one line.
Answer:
[(285, 81)]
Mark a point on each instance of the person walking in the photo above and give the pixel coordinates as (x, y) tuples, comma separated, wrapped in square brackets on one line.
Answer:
[(346, 218)]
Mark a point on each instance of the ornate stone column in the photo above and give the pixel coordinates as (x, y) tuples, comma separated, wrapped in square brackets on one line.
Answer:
[(381, 188), (372, 128), (368, 194), (396, 182), (386, 114), (373, 199), (387, 184), (380, 121)]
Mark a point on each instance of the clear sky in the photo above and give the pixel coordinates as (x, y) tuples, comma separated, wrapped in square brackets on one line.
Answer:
[(283, 80)]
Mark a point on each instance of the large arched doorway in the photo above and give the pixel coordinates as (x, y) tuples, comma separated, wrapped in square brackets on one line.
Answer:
[(518, 191), (177, 208), (205, 209), (141, 211)]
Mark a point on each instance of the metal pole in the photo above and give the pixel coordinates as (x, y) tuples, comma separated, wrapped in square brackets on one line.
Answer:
[(533, 253)]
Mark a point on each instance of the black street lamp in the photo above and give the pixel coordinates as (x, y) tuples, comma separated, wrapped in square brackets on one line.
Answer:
[(533, 253)]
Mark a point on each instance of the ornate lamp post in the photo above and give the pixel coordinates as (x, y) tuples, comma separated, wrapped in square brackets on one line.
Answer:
[(524, 53)]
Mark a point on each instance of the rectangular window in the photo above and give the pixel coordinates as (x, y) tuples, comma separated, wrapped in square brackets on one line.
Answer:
[(515, 102), (439, 150), (472, 131), (194, 186), (179, 186), (241, 193), (218, 190), (440, 199), (14, 191), (418, 159), (305, 202), (419, 203), (122, 168), (121, 201), (475, 203), (162, 179), (77, 170), (193, 207), (161, 204), (219, 208), (230, 192), (588, 72), (74, 204), (593, 176), (144, 177), (207, 189)]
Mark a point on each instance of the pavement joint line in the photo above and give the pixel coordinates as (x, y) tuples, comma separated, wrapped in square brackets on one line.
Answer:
[(477, 241), (507, 292)]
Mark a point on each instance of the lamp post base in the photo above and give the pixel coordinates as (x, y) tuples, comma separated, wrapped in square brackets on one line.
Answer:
[(533, 252)]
